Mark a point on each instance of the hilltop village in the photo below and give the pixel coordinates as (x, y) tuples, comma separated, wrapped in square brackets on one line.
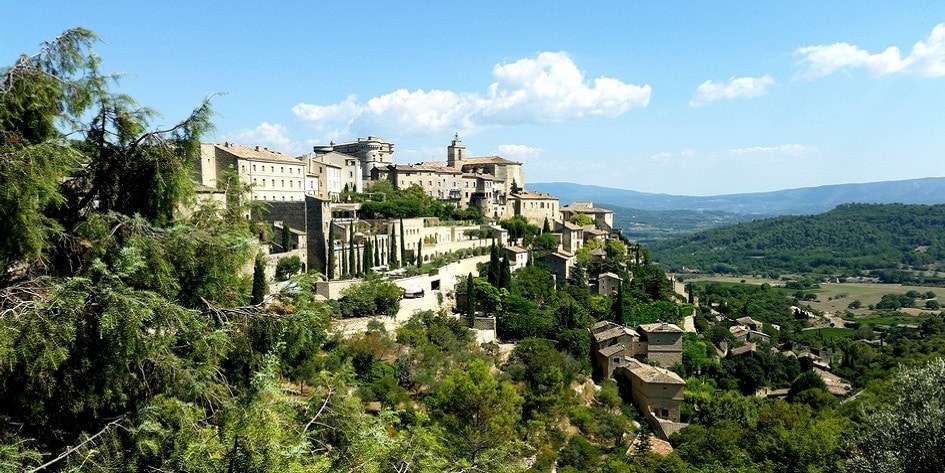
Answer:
[(310, 198), (321, 203), (312, 194)]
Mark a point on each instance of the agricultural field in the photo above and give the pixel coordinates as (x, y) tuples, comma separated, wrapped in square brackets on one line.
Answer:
[(835, 298)]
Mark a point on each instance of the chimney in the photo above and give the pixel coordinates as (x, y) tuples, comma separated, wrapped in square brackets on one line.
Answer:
[(257, 148)]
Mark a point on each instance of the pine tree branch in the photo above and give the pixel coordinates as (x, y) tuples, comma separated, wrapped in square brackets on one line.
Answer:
[(73, 449)]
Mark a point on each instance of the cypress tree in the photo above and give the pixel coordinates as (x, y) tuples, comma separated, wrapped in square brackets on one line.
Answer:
[(286, 237), (392, 251), (419, 252), (545, 227), (505, 274), (259, 282), (618, 304), (352, 263), (403, 245), (368, 257), (470, 297), (494, 266), (330, 270), (377, 252)]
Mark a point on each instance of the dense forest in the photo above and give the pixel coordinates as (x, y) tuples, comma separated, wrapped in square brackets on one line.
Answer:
[(891, 241), (133, 337)]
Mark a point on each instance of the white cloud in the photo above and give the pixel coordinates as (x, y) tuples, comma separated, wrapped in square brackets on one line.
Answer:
[(546, 88), (787, 149), (734, 155), (271, 135), (519, 151), (736, 87), (345, 110), (669, 156), (926, 59)]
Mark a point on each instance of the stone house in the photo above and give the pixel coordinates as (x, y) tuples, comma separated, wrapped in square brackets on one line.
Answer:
[(611, 345), (608, 283), (654, 390), (572, 236), (535, 206), (518, 257), (603, 218), (663, 342), (561, 264)]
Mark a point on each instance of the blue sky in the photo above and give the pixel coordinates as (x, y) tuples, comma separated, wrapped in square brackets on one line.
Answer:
[(694, 98)]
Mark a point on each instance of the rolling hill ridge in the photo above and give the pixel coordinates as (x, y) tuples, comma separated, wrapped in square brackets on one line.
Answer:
[(807, 200)]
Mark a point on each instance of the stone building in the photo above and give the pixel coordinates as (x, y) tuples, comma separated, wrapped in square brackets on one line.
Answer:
[(608, 283), (518, 256), (617, 352), (335, 172), (508, 174), (611, 345), (536, 207), (656, 392), (663, 343), (572, 236), (603, 218), (561, 264), (439, 182), (275, 176), (371, 152)]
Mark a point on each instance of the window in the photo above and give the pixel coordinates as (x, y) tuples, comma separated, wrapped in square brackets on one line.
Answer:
[(283, 183), (254, 168), (282, 169), (264, 183), (272, 169)]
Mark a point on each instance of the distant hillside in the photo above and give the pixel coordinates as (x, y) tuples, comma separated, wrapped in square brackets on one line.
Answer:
[(648, 225), (808, 200), (851, 239)]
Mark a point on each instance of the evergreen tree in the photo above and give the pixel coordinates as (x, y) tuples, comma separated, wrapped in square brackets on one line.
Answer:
[(368, 256), (494, 266), (358, 268), (330, 249), (259, 282), (392, 251), (352, 263), (545, 227), (403, 244), (377, 252), (470, 297), (505, 274), (419, 252), (330, 269), (618, 304), (344, 262), (286, 237)]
